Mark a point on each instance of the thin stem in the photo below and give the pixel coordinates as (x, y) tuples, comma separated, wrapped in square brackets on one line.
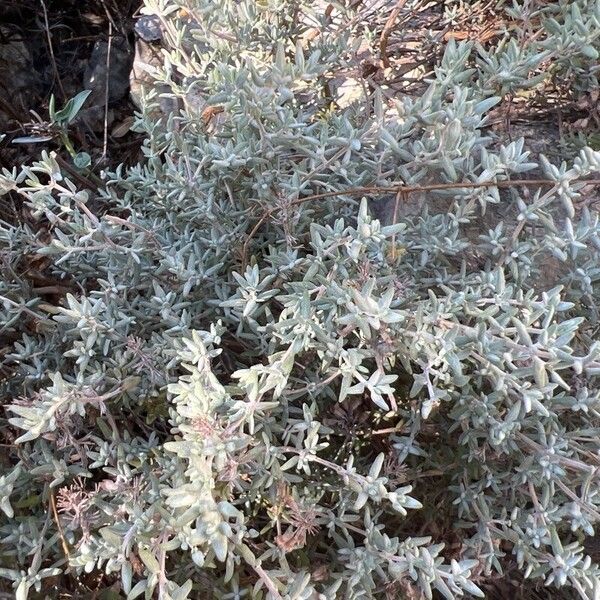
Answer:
[(64, 138), (584, 505), (403, 191), (61, 535), (25, 309), (51, 50), (106, 89), (269, 583), (409, 189), (387, 30)]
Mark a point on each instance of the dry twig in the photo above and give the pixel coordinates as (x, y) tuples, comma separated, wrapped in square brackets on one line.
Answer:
[(51, 50), (63, 541), (106, 90), (387, 30), (402, 190)]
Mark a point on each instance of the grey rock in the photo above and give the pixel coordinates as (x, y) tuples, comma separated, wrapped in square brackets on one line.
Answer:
[(18, 77), (116, 71), (149, 28)]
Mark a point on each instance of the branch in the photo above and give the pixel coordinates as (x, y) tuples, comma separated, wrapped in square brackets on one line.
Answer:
[(402, 191), (387, 29), (61, 534), (269, 583)]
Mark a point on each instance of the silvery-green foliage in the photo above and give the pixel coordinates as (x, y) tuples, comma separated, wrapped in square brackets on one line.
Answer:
[(248, 392)]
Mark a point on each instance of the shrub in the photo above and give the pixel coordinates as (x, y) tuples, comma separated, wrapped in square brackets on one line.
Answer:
[(249, 386)]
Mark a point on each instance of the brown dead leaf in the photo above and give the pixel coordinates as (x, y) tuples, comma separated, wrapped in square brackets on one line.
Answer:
[(123, 127), (480, 36), (209, 112)]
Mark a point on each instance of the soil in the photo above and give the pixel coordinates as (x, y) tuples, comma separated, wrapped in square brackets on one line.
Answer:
[(59, 48)]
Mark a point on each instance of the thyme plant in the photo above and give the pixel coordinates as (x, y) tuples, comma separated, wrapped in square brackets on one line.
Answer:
[(224, 377)]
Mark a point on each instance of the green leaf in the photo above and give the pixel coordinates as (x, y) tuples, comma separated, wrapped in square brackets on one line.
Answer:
[(149, 561), (138, 589), (182, 593), (22, 590), (71, 108), (82, 160)]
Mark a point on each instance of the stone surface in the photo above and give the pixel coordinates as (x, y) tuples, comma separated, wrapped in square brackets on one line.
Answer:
[(114, 69), (16, 74), (149, 28), (105, 67)]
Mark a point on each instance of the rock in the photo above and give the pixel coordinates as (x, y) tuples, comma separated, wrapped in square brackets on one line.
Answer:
[(117, 71), (19, 80), (348, 91), (95, 79), (149, 28)]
